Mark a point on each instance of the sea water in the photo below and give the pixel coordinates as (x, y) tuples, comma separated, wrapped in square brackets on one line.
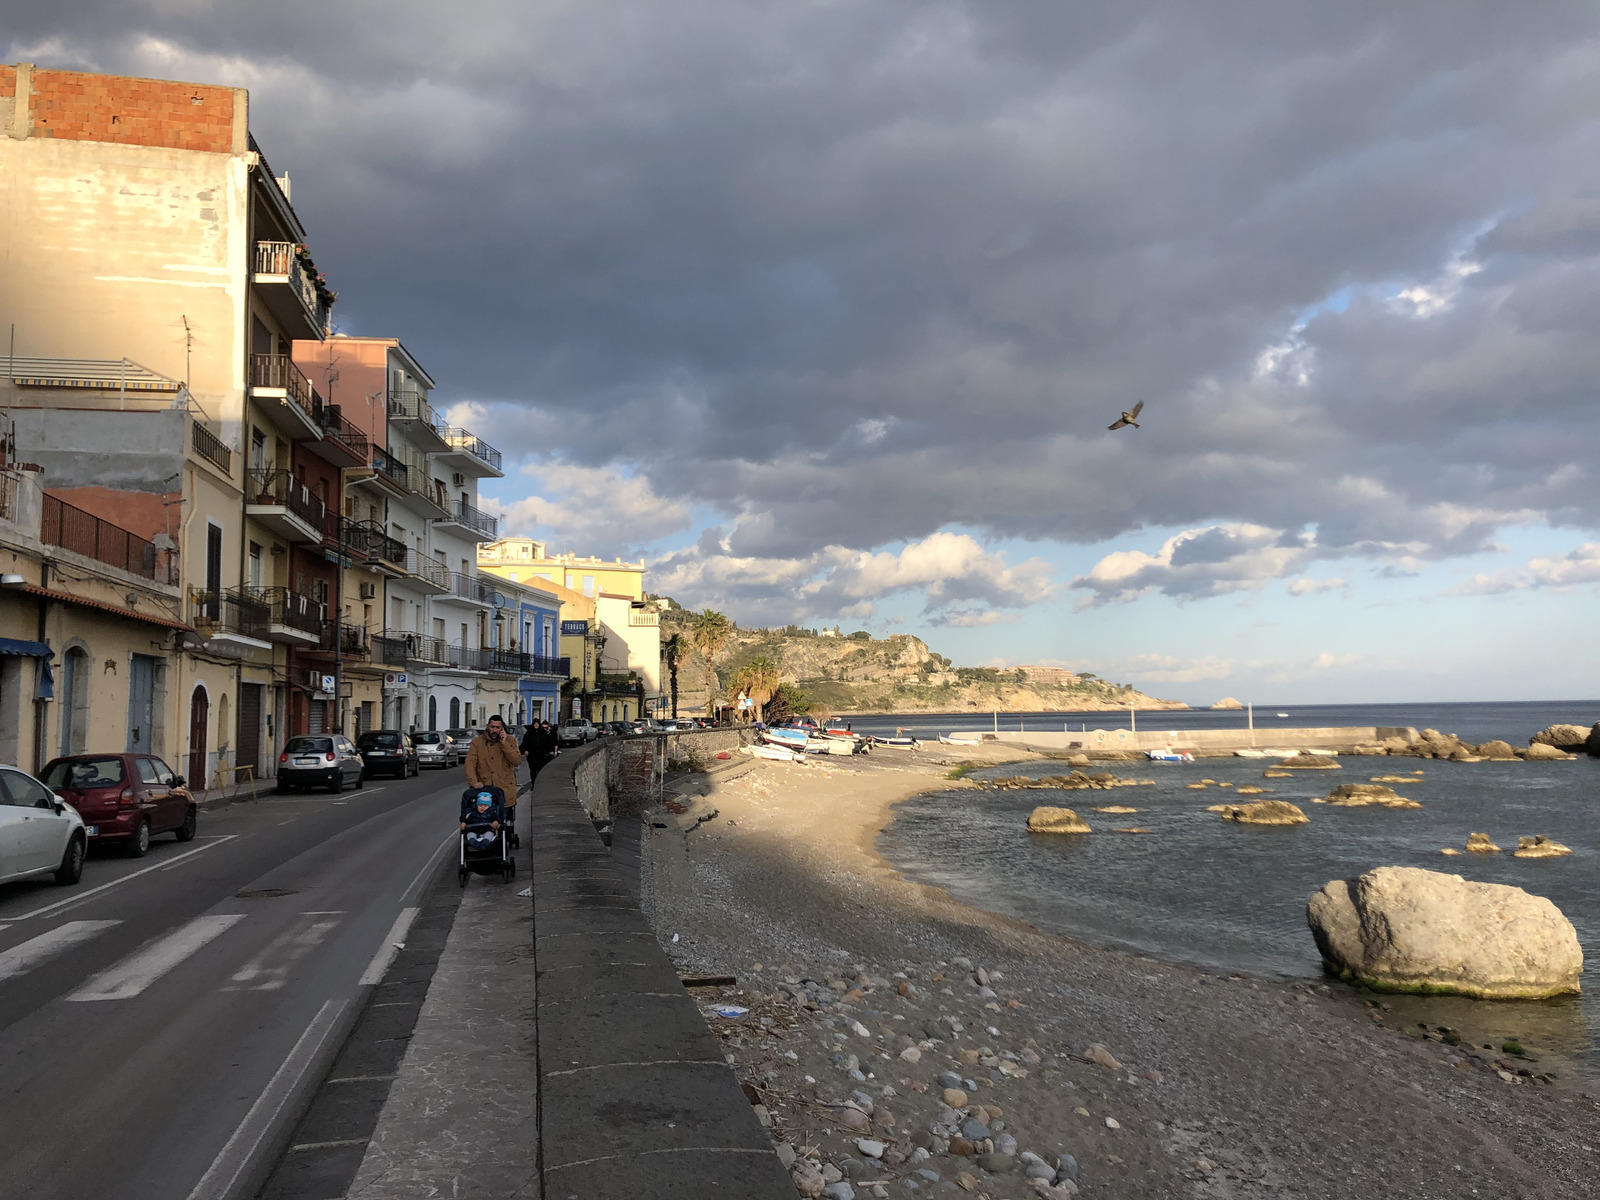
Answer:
[(1232, 897)]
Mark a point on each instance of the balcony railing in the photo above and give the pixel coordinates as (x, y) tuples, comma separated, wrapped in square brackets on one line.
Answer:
[(353, 537), (229, 612), (390, 467), (279, 371), (407, 403), (429, 570), (290, 608), (514, 662), (466, 658), (281, 489), (381, 546), (354, 641), (211, 448), (283, 258), (644, 616), (62, 524), (476, 588), (397, 647), (337, 428), (470, 443), (485, 526)]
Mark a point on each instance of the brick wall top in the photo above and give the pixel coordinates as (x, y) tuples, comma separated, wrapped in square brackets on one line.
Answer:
[(8, 80), (78, 106)]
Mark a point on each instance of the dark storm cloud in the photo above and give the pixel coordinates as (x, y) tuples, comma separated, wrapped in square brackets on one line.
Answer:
[(895, 266)]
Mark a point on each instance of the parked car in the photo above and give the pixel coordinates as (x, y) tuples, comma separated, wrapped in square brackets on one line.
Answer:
[(619, 728), (125, 798), (39, 831), (435, 748), (462, 738), (575, 731), (328, 760), (388, 752)]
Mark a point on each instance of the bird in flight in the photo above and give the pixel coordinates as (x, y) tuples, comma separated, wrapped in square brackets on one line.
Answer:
[(1131, 417)]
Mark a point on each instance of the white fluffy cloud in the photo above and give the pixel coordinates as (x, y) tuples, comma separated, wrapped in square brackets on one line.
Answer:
[(1211, 561), (588, 509), (1580, 566), (1310, 587)]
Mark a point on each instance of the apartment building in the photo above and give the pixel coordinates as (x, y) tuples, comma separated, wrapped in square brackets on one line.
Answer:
[(156, 277)]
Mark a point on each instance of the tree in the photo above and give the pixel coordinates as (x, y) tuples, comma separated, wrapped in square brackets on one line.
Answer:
[(709, 633), (761, 681), (671, 649), (789, 701)]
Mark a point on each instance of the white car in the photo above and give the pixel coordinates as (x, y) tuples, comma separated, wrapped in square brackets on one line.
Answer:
[(575, 732), (39, 831)]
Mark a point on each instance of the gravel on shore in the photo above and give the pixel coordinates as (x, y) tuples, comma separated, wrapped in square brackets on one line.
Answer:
[(900, 1044)]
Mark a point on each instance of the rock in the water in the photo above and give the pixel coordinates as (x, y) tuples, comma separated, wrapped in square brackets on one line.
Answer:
[(1497, 749), (1539, 847), (1307, 761), (1479, 843), (1360, 795), (1263, 812), (1406, 929), (1250, 789), (1056, 820), (1591, 744), (1226, 704), (1562, 737), (1541, 752), (1116, 808), (1450, 852)]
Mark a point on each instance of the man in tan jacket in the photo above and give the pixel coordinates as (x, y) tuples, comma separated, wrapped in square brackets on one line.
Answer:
[(492, 762)]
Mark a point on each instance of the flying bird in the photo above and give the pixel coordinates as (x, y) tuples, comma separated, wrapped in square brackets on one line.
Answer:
[(1131, 417)]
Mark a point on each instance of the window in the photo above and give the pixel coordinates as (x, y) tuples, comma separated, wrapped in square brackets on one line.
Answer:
[(163, 772), (80, 773), (397, 613), (455, 712), (588, 585), (147, 770), (255, 565), (213, 558), (258, 450), (26, 791)]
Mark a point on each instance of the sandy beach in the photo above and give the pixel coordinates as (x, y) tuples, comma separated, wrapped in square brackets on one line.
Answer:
[(905, 1044)]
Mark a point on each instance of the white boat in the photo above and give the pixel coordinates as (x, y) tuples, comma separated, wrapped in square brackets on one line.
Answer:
[(795, 739), (897, 743), (832, 745), (1266, 753), (778, 753), (1169, 756), (950, 739)]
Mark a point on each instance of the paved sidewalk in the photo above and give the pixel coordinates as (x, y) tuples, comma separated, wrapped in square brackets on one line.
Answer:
[(461, 1119)]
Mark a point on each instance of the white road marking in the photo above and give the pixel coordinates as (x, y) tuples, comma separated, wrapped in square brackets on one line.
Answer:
[(416, 881), (269, 970), (381, 961), (245, 1144), (211, 844), (143, 967), (20, 959)]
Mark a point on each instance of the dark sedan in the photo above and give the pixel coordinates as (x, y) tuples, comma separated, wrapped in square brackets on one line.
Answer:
[(388, 752)]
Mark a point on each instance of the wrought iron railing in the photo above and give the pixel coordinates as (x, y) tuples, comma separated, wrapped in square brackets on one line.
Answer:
[(390, 467), (290, 608), (281, 489), (65, 525), (407, 403), (279, 371), (397, 647), (480, 522), (211, 448), (468, 658), (476, 588), (380, 545), (429, 570), (229, 611), (354, 641), (337, 428), (470, 443)]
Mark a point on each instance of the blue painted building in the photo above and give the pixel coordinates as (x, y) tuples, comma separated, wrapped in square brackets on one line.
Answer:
[(535, 636)]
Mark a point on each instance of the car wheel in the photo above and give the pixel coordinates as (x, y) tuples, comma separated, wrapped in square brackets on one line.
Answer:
[(71, 868), (139, 844), (337, 785), (281, 789), (191, 822), (361, 781)]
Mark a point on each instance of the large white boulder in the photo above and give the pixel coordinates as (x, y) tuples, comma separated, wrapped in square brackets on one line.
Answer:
[(1562, 737), (1408, 930)]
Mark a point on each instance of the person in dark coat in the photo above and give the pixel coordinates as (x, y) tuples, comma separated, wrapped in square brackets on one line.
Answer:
[(538, 747)]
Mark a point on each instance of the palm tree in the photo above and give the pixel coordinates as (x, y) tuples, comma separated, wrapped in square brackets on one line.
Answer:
[(670, 650), (761, 679), (709, 633)]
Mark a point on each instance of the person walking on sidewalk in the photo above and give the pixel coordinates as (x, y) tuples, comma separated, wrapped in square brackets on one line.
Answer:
[(539, 747), (492, 762)]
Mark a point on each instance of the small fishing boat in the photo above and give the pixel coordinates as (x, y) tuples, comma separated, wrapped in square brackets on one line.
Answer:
[(897, 743), (784, 735), (777, 753), (1176, 756), (1283, 714), (950, 739)]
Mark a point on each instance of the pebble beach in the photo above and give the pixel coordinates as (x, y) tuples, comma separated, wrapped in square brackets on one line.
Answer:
[(897, 1042)]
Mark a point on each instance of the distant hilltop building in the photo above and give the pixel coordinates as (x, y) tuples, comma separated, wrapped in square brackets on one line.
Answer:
[(1057, 676)]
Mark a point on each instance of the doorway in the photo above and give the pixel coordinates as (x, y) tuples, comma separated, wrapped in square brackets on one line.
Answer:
[(141, 704), (433, 713), (248, 736), (74, 701), (199, 718)]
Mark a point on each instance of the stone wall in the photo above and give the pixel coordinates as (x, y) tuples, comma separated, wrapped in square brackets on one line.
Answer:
[(622, 777)]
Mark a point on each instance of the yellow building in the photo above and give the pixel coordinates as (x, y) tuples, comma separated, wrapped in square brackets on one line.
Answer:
[(523, 559)]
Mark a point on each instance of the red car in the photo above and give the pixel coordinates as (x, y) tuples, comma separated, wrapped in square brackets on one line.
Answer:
[(124, 798)]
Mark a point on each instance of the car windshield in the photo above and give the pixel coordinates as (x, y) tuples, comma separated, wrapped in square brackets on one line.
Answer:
[(576, 723), (428, 739), (379, 739), (309, 745), (80, 773)]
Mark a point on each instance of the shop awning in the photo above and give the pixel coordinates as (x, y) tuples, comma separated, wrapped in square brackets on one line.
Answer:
[(45, 679)]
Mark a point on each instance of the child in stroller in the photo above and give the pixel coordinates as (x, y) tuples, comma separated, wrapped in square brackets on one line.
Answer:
[(485, 846)]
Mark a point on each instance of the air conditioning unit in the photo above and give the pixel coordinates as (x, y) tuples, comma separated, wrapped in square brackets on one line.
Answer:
[(313, 680), (369, 591), (459, 479)]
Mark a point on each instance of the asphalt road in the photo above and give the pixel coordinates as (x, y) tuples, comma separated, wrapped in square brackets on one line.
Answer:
[(163, 1022)]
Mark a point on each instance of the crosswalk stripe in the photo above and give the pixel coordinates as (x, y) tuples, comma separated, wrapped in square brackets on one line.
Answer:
[(23, 958), (144, 966), (270, 969)]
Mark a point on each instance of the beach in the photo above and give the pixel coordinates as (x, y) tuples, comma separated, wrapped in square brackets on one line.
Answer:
[(1158, 1079)]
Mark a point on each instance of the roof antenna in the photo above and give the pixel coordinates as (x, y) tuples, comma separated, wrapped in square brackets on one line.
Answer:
[(188, 347)]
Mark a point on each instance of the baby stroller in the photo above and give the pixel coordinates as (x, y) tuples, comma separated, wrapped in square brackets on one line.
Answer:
[(485, 850)]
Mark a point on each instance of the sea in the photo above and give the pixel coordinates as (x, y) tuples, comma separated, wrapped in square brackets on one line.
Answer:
[(1232, 898)]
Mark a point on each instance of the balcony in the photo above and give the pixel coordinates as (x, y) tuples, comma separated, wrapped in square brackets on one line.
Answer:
[(233, 624), (341, 444), (514, 662), (390, 472), (478, 525), (285, 505), (384, 553), (355, 644), (410, 411), (424, 494), (211, 448), (352, 538), (469, 453), (286, 396), (292, 619), (476, 590), (465, 658), (644, 617), (427, 573), (289, 289), (64, 525), (402, 648)]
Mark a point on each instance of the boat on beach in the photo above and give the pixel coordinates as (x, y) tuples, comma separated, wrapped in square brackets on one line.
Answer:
[(786, 735), (950, 739), (897, 742), (1175, 756)]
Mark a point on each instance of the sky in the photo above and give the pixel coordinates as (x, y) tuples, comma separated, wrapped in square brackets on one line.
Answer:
[(822, 307)]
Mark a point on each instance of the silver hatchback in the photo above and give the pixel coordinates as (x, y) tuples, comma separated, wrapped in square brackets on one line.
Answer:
[(437, 749)]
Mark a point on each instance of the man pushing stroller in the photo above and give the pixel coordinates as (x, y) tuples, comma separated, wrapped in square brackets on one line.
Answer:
[(492, 762)]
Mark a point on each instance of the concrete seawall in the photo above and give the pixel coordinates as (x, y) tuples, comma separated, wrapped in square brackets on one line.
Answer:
[(1220, 740)]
